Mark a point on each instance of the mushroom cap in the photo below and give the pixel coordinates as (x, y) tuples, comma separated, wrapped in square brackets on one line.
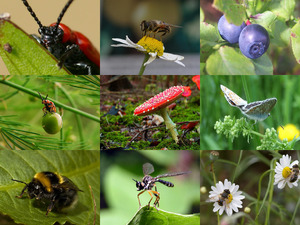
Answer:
[(159, 101)]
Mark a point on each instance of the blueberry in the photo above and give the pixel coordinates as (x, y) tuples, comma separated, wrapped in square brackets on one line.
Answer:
[(254, 41), (228, 31)]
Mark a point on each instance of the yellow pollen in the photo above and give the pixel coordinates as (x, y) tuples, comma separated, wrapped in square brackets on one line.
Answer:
[(229, 199), (152, 45), (286, 172)]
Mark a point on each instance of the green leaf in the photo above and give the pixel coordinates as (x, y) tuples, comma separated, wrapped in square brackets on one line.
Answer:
[(283, 8), (265, 19), (295, 38), (27, 55), (202, 16), (151, 216), (209, 37), (263, 65), (226, 61), (82, 167), (234, 12), (281, 33)]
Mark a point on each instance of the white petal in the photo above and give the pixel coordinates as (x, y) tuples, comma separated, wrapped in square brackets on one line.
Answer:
[(151, 59)]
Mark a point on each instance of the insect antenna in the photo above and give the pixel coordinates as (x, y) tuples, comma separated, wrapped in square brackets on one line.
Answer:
[(32, 13), (20, 181), (62, 13)]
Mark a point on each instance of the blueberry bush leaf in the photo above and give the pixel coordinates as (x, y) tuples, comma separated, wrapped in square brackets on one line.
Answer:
[(229, 61), (234, 12), (295, 39), (82, 167)]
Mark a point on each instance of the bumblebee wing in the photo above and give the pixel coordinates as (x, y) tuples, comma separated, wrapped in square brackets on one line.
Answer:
[(68, 184)]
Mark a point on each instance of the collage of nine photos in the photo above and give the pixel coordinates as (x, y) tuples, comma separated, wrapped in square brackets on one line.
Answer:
[(130, 137)]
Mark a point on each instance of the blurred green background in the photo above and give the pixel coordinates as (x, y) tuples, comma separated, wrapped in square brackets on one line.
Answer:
[(118, 191), (215, 107)]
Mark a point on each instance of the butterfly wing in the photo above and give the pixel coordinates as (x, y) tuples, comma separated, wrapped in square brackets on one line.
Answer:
[(232, 98), (259, 110)]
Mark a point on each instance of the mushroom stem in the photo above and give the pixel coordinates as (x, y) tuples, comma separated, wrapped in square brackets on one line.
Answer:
[(170, 125)]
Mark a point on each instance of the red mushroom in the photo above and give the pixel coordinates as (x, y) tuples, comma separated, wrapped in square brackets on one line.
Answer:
[(196, 79), (159, 104)]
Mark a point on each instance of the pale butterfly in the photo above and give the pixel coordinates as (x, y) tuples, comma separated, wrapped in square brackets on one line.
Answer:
[(259, 110)]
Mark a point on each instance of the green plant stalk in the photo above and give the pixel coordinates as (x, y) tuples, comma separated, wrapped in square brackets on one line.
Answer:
[(78, 120), (238, 163), (271, 192), (258, 195), (215, 182), (295, 211), (170, 125), (142, 69), (57, 103)]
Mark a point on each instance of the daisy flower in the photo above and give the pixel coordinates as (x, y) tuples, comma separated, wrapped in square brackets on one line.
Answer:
[(152, 47), (226, 197), (285, 172)]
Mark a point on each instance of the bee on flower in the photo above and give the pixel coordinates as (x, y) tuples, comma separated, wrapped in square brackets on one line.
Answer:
[(226, 197), (286, 172)]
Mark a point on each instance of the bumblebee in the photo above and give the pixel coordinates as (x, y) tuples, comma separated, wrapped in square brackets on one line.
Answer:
[(156, 26), (59, 191), (223, 197), (295, 173)]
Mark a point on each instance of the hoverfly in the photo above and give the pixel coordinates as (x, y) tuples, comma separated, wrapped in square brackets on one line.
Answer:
[(148, 183), (156, 26)]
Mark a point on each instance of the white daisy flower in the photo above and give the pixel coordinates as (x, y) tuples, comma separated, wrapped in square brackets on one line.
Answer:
[(284, 172), (226, 197), (151, 46)]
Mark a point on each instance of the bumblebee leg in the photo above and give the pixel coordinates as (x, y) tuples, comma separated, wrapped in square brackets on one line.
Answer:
[(149, 191), (50, 207), (139, 198), (23, 191)]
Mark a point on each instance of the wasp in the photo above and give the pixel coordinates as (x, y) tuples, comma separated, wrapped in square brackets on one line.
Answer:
[(148, 183), (156, 26)]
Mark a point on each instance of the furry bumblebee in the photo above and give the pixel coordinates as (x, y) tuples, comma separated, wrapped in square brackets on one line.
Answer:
[(51, 187)]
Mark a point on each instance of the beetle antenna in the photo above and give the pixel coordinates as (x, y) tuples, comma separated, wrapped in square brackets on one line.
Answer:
[(62, 13), (41, 96), (32, 13)]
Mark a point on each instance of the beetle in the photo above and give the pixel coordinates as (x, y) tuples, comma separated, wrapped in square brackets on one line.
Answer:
[(71, 48), (49, 106)]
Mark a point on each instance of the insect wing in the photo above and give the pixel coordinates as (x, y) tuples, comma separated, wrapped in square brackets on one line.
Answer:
[(232, 98), (171, 174), (148, 168), (260, 109)]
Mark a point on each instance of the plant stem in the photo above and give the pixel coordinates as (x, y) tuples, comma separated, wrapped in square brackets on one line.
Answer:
[(272, 175), (57, 103), (142, 69), (169, 124)]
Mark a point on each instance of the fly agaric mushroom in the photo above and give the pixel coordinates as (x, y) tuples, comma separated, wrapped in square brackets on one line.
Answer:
[(158, 104)]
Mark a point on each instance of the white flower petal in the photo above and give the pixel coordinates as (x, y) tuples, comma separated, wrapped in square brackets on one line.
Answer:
[(151, 59)]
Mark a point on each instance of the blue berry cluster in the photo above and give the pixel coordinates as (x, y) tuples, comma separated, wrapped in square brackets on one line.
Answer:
[(253, 39)]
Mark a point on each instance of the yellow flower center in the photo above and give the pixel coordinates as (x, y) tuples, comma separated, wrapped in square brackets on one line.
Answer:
[(289, 132), (152, 45), (229, 199), (286, 172)]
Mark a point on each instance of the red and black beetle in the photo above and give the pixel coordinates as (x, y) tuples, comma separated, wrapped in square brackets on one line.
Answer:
[(49, 106), (71, 48)]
